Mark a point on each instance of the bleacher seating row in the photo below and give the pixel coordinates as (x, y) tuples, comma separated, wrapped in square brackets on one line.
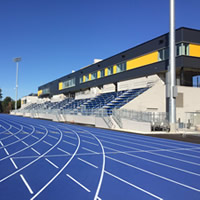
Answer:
[(107, 101)]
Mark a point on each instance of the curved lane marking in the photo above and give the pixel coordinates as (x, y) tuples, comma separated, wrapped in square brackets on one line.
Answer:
[(33, 160), (45, 186), (103, 164), (25, 147)]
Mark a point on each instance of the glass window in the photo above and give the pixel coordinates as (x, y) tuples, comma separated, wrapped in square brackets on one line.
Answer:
[(87, 77), (102, 73), (161, 55), (94, 75), (121, 67), (185, 49), (69, 83), (178, 49), (46, 91), (182, 49), (81, 79), (110, 70)]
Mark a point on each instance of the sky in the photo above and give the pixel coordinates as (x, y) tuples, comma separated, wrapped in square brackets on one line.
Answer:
[(54, 37)]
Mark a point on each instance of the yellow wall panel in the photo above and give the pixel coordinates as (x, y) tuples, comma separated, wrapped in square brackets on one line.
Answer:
[(39, 92), (60, 86), (90, 77), (194, 50), (106, 71), (142, 60), (83, 78), (114, 69), (98, 74)]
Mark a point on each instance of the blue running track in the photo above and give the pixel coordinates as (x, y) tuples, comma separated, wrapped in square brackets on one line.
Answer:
[(47, 160)]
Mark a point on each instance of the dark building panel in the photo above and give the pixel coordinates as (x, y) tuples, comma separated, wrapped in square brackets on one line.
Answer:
[(182, 35)]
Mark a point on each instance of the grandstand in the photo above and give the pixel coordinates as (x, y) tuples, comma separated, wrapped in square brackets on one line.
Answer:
[(127, 90)]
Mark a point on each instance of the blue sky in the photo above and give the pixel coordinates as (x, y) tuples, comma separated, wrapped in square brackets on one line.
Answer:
[(54, 37)]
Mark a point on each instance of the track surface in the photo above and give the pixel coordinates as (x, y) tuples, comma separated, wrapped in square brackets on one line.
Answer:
[(48, 160)]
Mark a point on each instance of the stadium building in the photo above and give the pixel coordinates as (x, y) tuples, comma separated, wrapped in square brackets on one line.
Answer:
[(127, 90)]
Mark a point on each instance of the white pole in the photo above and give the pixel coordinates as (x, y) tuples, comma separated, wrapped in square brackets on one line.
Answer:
[(17, 63), (17, 60), (172, 81)]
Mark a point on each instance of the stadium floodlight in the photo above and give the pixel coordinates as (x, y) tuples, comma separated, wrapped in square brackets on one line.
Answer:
[(172, 70), (17, 60)]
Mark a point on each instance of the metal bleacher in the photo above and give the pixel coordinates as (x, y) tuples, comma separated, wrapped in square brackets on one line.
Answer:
[(106, 101), (123, 99)]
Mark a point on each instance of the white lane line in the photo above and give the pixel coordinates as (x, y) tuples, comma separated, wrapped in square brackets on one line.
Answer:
[(54, 132), (1, 143), (90, 142), (26, 183), (14, 134), (154, 174), (103, 164), (13, 163), (68, 132), (45, 186), (25, 143), (53, 137), (17, 137), (135, 186), (52, 163), (159, 141), (35, 151), (63, 151), (23, 148), (156, 162), (139, 144), (78, 183), (15, 172), (6, 151), (47, 143), (88, 163), (145, 151), (39, 132), (10, 133), (70, 137), (90, 150), (98, 198), (35, 137), (87, 137), (68, 142)]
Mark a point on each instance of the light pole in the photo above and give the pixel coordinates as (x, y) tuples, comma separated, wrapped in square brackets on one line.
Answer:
[(172, 70), (17, 60)]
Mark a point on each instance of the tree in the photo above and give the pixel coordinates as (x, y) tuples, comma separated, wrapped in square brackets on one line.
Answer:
[(7, 105), (0, 94), (1, 108)]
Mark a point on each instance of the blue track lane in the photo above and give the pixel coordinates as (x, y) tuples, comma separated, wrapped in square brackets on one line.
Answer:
[(47, 160)]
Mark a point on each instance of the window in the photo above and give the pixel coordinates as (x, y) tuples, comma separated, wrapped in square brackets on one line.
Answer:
[(46, 91), (182, 49), (163, 54), (110, 70), (69, 83), (81, 79), (121, 67), (102, 73), (86, 77), (93, 75)]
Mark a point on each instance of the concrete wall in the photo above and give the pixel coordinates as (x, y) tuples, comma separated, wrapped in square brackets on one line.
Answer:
[(137, 126), (191, 101), (137, 83), (153, 100), (27, 100)]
